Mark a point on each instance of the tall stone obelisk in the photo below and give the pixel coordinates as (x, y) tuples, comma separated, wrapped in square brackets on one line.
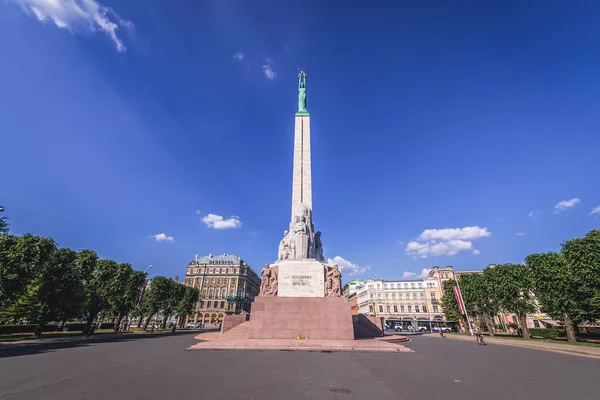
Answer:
[(300, 294), (302, 179)]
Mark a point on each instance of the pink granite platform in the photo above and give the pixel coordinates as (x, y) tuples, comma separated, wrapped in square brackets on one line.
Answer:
[(314, 318)]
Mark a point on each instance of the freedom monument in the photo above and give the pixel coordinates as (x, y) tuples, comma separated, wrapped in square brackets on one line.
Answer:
[(300, 294)]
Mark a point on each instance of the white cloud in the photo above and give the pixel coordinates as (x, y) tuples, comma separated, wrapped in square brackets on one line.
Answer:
[(269, 73), (347, 266), (467, 233), (414, 275), (239, 56), (534, 214), (520, 234), (446, 242), (563, 205), (218, 222), (78, 16), (595, 211), (198, 212), (160, 237)]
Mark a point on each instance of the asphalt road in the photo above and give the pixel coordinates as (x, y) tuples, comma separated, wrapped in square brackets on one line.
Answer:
[(161, 368)]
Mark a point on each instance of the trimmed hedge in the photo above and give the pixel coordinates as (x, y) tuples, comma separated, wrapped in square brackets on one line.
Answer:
[(76, 327), (106, 325), (548, 333), (12, 329)]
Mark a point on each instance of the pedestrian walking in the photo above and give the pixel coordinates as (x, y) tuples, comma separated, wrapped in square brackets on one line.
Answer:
[(91, 330), (441, 332), (479, 336)]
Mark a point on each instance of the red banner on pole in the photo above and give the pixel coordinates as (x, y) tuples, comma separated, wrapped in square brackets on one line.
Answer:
[(459, 301)]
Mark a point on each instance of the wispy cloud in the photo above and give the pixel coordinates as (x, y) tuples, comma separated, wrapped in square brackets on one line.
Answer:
[(414, 275), (565, 204), (446, 241), (520, 234), (214, 221), (198, 212), (79, 16), (239, 56), (347, 266), (161, 237), (268, 70), (596, 210), (534, 214)]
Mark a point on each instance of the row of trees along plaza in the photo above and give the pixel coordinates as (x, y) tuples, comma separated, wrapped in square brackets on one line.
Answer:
[(565, 286), (41, 284)]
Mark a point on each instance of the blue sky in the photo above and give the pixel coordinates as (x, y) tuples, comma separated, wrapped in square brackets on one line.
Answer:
[(446, 133)]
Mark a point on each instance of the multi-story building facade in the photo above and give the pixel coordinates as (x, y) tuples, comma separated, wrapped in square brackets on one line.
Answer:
[(226, 283), (406, 302)]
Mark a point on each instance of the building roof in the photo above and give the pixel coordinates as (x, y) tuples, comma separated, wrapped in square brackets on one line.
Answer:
[(217, 259)]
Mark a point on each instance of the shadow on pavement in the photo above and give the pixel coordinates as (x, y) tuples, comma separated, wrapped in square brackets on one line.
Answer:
[(22, 349)]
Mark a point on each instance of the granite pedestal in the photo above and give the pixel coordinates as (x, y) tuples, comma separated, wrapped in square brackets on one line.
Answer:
[(320, 318)]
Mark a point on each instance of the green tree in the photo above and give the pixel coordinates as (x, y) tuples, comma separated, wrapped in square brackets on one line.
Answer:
[(512, 288), (20, 259), (557, 290), (98, 288), (477, 295), (448, 301), (157, 297), (187, 302), (4, 225), (583, 257), (124, 290), (176, 293)]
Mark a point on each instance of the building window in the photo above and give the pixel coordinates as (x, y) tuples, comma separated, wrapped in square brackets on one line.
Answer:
[(370, 308), (387, 308), (210, 270), (401, 308), (204, 293), (190, 281), (218, 271), (378, 286), (226, 280), (432, 294), (237, 270), (218, 293), (233, 281), (424, 308), (219, 281), (414, 295), (379, 295), (206, 281), (232, 292), (372, 296), (380, 308), (393, 295), (412, 285), (420, 285), (435, 309), (222, 304), (422, 294), (216, 304), (395, 308), (224, 292), (409, 308), (387, 295), (417, 308), (385, 285)]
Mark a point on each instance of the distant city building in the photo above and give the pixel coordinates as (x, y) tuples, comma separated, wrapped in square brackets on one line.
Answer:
[(406, 301), (226, 283), (350, 287)]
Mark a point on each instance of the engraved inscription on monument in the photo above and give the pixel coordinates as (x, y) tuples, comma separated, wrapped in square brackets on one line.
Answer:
[(301, 279)]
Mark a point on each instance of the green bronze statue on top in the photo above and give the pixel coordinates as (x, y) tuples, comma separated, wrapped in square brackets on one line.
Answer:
[(302, 94)]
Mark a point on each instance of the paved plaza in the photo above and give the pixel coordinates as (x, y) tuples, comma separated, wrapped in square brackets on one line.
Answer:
[(161, 367)]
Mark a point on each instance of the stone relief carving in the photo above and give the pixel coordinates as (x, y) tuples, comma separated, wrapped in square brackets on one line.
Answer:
[(284, 247), (333, 282), (268, 286)]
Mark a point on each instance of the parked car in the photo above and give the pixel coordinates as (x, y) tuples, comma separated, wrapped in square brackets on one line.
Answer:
[(191, 325)]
